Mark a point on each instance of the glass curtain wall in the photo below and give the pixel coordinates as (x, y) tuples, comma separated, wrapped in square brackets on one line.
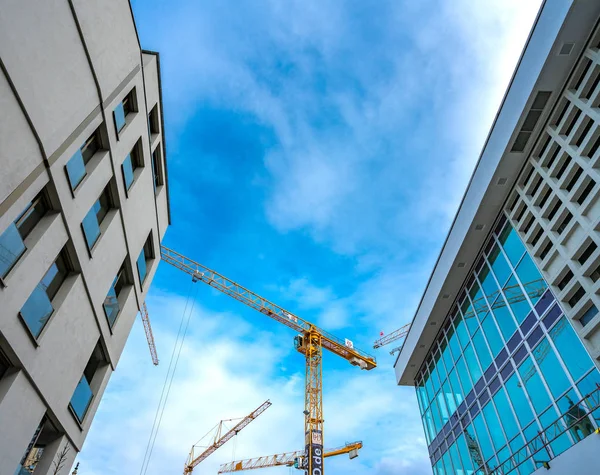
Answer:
[(506, 365)]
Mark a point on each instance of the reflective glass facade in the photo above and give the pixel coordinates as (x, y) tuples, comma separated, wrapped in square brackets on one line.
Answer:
[(506, 365)]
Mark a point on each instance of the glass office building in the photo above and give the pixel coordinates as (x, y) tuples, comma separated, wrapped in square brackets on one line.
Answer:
[(506, 366), (504, 347)]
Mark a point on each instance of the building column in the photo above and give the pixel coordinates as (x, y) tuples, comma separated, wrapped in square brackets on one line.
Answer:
[(21, 411)]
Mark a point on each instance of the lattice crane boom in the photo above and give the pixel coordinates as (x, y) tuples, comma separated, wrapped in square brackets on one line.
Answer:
[(288, 459), (221, 440), (310, 343), (199, 272), (149, 335)]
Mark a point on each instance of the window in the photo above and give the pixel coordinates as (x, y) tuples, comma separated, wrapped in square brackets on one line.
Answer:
[(38, 308), (75, 167), (111, 302), (126, 106), (91, 222), (579, 293), (12, 245), (38, 447), (83, 394), (589, 315), (145, 256), (132, 162), (153, 122), (156, 168)]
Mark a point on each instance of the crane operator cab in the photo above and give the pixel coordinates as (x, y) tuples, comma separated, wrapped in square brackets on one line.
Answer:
[(299, 343)]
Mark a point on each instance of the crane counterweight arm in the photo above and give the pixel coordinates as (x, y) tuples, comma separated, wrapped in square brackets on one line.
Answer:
[(287, 459), (194, 461), (198, 272)]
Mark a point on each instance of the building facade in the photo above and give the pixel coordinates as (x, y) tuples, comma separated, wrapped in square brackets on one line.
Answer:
[(83, 208), (504, 348)]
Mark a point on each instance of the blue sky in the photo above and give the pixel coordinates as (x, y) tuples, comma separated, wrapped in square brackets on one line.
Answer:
[(317, 150)]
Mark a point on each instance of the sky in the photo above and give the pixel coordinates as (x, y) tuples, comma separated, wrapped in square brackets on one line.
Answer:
[(317, 154)]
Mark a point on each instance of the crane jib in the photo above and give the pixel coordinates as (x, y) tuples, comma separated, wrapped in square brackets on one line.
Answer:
[(240, 293)]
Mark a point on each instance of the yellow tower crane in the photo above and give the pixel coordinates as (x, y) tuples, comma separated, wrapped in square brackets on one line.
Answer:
[(288, 459), (310, 342), (219, 440), (513, 294)]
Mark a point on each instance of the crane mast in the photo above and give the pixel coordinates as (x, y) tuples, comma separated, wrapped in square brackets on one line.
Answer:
[(288, 459), (310, 342), (221, 440)]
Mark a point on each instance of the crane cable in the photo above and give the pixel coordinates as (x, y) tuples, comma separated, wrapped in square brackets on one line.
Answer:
[(168, 380)]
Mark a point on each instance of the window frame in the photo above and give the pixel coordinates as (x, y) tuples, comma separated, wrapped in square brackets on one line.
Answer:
[(128, 106), (148, 252), (136, 161), (118, 285), (23, 227), (63, 269), (91, 146), (106, 204)]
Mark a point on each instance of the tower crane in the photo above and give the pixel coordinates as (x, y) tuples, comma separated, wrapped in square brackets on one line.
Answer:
[(513, 294), (288, 459), (220, 440), (310, 341)]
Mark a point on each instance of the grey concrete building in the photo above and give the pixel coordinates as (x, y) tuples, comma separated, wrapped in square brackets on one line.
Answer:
[(504, 348), (83, 207)]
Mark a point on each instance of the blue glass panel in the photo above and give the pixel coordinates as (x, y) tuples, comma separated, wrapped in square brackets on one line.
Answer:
[(119, 114), (561, 443), (493, 425), (75, 169), (550, 367), (127, 172), (12, 248), (482, 437), (469, 316), (449, 395), (518, 399), (429, 388), (91, 229), (461, 332), (508, 420), (503, 317), (490, 288), (528, 272), (456, 389), (499, 265), (447, 356), (481, 349), (455, 457), (463, 375), (512, 245), (534, 386), (472, 364), (141, 266), (49, 276), (435, 413), (570, 349), (587, 386), (111, 306), (37, 310), (465, 454), (514, 295), (442, 406), (455, 346), (492, 335), (447, 463), (574, 416), (81, 398)]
